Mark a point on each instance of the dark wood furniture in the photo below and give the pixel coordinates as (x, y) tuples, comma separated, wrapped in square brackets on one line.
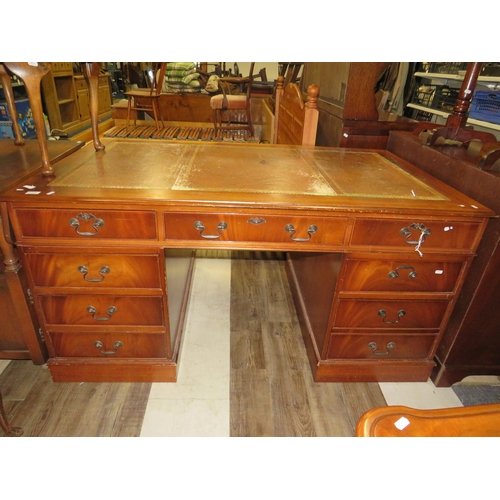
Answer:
[(378, 252), (470, 343), (401, 421), (348, 114), (227, 107), (147, 100), (4, 423)]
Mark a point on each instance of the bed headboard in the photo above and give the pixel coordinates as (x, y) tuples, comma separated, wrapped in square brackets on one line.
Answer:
[(295, 122)]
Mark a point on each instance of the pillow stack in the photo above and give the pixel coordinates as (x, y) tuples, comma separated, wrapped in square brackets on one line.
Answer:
[(181, 77)]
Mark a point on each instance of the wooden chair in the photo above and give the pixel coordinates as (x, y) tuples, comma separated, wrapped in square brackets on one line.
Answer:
[(401, 421), (295, 122), (147, 99), (226, 103)]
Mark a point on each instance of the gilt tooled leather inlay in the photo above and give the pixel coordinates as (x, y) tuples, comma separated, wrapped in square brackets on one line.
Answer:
[(253, 169)]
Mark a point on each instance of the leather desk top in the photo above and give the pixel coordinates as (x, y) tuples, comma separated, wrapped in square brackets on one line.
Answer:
[(286, 177)]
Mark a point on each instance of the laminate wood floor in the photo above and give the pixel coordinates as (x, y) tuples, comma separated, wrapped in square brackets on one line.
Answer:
[(271, 385), (272, 392)]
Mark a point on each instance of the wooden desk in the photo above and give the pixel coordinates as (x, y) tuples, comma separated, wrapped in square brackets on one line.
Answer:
[(377, 252)]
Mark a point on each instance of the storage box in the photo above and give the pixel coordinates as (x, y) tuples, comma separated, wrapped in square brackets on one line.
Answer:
[(24, 117), (6, 130), (485, 106)]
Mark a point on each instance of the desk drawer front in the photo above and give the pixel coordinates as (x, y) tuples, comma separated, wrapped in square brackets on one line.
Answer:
[(390, 314), (405, 234), (91, 225), (109, 345), (94, 270), (401, 276), (380, 347), (102, 310), (267, 228)]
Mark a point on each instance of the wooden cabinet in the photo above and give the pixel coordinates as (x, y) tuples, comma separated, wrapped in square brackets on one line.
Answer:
[(348, 114), (66, 98)]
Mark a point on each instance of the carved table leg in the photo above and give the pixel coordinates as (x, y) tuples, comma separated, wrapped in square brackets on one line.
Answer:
[(32, 74), (4, 424), (91, 74), (11, 104)]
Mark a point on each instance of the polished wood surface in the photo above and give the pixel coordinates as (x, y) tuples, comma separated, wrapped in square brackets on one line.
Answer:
[(145, 197), (401, 421)]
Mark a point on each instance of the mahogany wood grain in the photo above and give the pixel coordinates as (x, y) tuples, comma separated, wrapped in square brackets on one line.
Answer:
[(111, 345), (467, 421), (376, 346), (402, 275), (130, 311), (136, 225), (101, 270), (366, 314)]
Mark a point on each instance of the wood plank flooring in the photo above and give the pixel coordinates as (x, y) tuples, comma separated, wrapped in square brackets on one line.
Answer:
[(272, 389), (272, 392)]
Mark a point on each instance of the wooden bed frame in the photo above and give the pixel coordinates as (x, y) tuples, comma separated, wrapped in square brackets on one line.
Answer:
[(292, 121)]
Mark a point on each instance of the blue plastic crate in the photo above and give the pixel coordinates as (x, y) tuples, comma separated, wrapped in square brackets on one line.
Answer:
[(485, 106)]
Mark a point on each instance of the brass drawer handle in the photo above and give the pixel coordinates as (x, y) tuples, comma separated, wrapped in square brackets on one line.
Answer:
[(74, 222), (394, 274), (199, 226), (102, 271), (416, 226), (389, 346), (111, 310), (116, 346), (289, 228), (383, 313)]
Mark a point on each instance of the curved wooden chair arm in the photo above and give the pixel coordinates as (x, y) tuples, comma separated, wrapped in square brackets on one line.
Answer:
[(402, 421)]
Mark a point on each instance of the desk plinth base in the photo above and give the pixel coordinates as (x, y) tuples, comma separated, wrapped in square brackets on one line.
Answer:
[(371, 371), (66, 370)]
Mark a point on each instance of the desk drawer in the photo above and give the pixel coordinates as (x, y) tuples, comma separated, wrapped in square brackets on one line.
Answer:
[(255, 228), (102, 310), (380, 347), (405, 234), (94, 270), (109, 345), (390, 314), (400, 276), (92, 225)]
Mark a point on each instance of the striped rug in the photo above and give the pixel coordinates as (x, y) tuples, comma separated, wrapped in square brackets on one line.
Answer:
[(179, 133)]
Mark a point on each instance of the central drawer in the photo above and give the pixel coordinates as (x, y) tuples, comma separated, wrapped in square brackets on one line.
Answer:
[(255, 228), (94, 224), (102, 310), (94, 270)]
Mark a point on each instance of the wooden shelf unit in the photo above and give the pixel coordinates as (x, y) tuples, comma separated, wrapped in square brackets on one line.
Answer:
[(66, 98)]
